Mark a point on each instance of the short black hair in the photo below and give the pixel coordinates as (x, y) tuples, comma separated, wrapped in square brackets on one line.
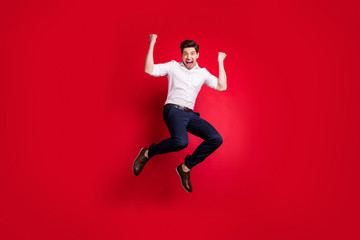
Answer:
[(189, 43)]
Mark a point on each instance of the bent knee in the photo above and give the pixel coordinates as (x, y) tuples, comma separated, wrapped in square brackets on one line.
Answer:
[(180, 144), (217, 139)]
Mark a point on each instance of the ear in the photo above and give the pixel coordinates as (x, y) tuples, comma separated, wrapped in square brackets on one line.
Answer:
[(197, 55)]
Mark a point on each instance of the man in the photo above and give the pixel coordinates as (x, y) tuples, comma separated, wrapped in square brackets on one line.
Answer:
[(185, 81)]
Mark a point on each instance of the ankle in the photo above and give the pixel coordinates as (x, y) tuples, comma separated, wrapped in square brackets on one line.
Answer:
[(185, 168), (147, 153)]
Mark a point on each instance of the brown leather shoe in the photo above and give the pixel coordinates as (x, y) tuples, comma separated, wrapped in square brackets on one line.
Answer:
[(185, 178), (140, 161)]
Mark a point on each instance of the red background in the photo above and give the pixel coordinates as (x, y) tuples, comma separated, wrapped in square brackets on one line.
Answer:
[(76, 107)]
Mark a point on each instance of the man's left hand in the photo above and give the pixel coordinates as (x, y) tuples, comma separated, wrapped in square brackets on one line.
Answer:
[(221, 56)]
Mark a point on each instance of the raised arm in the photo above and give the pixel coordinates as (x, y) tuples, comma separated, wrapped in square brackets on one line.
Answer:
[(149, 60), (222, 83)]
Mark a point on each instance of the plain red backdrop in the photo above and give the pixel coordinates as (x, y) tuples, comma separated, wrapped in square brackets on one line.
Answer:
[(76, 107)]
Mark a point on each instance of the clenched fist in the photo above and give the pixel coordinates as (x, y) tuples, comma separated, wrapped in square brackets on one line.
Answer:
[(152, 38), (221, 56)]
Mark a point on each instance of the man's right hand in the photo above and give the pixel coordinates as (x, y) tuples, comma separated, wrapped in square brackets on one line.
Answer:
[(152, 38)]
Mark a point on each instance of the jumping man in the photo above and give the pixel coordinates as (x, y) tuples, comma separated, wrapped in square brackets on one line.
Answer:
[(185, 81)]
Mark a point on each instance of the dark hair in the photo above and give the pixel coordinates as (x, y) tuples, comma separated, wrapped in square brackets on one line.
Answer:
[(189, 43)]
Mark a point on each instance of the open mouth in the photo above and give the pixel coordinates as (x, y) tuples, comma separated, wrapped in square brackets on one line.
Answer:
[(189, 63)]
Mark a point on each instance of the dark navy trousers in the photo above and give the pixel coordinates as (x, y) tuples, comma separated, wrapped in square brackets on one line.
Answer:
[(179, 123)]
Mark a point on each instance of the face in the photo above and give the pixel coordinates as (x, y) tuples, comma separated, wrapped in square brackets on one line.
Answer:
[(189, 57)]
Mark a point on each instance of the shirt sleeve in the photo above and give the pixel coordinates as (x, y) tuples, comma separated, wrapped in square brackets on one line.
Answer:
[(162, 69), (210, 80)]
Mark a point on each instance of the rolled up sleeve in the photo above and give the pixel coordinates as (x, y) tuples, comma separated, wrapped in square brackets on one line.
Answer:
[(162, 69), (210, 80)]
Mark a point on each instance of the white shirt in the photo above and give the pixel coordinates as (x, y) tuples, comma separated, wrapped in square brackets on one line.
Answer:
[(184, 85)]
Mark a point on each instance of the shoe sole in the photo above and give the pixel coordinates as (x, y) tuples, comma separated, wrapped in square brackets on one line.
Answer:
[(181, 180), (135, 161)]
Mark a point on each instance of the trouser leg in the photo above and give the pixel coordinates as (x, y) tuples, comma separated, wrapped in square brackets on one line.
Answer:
[(212, 140), (176, 121)]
